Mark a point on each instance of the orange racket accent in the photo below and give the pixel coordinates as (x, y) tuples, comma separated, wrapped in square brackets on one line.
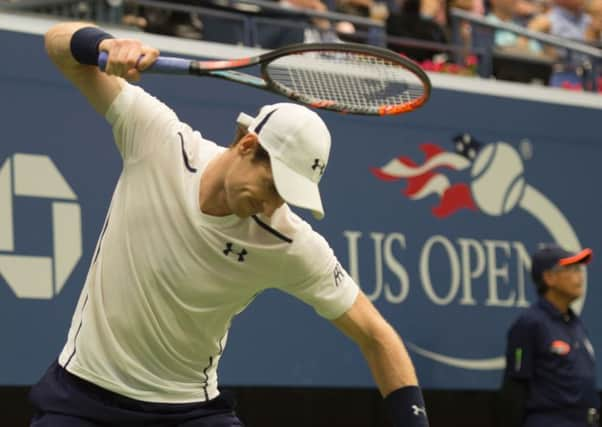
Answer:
[(322, 104), (220, 65), (391, 110)]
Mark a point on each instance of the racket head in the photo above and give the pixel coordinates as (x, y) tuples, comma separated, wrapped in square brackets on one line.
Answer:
[(347, 77)]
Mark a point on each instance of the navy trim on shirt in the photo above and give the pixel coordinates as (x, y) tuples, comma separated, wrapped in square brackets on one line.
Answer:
[(81, 322), (271, 230), (184, 156)]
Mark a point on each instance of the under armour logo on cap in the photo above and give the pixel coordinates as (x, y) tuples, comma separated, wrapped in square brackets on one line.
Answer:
[(318, 166)]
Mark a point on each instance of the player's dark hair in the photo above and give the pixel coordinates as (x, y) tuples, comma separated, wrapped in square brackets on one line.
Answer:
[(238, 134), (261, 155)]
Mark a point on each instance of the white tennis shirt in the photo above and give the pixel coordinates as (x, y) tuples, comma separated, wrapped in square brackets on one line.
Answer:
[(166, 280)]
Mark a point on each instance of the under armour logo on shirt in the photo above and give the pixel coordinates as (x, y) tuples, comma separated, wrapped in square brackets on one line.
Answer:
[(318, 165), (418, 410), (230, 249)]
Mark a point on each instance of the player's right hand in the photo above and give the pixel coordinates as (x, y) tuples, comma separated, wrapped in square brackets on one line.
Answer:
[(127, 58)]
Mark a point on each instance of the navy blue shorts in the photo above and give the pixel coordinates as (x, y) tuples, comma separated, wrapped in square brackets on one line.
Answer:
[(62, 399)]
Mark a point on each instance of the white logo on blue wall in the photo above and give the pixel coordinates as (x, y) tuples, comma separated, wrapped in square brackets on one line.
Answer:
[(38, 277)]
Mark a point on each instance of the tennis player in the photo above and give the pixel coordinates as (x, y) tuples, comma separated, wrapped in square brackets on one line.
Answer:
[(193, 232)]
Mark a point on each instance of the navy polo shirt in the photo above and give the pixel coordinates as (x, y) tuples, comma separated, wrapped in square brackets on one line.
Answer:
[(552, 352)]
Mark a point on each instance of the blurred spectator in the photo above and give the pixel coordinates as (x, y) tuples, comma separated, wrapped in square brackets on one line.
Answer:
[(463, 34), (281, 28), (594, 31), (376, 10), (505, 11), (354, 7), (230, 29), (568, 19), (162, 21), (528, 9), (321, 29), (325, 31), (417, 19), (515, 58)]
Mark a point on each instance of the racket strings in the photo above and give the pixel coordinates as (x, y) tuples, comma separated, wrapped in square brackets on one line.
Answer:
[(357, 82)]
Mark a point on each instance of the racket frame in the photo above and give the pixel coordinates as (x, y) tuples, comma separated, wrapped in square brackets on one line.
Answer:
[(227, 69)]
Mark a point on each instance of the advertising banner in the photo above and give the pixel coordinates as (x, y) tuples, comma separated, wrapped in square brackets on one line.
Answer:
[(434, 214)]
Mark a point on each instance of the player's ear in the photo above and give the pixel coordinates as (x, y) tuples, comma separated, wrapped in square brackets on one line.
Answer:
[(247, 144), (549, 277)]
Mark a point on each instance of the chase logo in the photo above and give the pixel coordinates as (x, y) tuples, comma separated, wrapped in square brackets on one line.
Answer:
[(38, 277), (479, 179)]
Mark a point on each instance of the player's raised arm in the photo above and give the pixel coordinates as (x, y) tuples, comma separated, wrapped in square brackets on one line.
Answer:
[(388, 360), (74, 48)]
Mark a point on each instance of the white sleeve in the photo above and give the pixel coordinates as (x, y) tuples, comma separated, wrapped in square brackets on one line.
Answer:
[(140, 122), (319, 279)]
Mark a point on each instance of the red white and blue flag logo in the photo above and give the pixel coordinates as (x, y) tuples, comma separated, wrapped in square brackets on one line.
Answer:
[(496, 184)]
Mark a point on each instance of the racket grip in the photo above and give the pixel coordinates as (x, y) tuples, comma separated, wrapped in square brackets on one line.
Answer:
[(162, 65)]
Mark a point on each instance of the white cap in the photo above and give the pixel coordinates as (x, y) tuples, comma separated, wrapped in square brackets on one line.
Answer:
[(298, 143)]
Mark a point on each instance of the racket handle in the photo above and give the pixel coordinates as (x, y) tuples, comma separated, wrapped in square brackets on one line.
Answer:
[(163, 65)]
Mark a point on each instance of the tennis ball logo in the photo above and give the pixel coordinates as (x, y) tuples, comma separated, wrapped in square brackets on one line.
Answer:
[(38, 277), (497, 179)]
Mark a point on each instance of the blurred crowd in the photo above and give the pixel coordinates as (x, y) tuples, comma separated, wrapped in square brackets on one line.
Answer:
[(442, 46), (421, 29)]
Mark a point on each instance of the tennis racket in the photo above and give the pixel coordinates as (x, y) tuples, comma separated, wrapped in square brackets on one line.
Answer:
[(344, 77)]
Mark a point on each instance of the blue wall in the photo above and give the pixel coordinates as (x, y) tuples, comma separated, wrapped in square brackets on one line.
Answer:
[(450, 284)]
